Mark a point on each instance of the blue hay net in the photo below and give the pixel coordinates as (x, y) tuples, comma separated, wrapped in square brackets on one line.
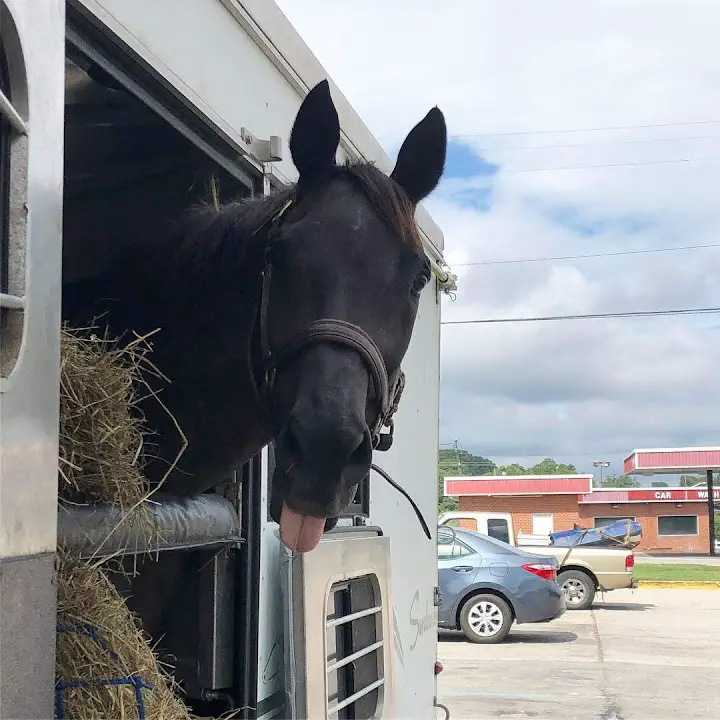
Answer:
[(132, 680)]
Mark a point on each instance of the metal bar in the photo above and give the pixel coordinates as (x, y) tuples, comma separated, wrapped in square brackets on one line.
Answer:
[(711, 510), (12, 116), (360, 693), (12, 302), (354, 656), (352, 616)]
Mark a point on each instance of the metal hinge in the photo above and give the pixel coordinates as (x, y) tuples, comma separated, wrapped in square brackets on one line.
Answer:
[(263, 151), (436, 596)]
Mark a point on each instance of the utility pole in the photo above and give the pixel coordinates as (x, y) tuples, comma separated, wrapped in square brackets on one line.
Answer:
[(457, 456), (711, 510), (601, 464)]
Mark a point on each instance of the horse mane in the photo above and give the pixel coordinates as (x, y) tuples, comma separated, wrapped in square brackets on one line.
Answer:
[(207, 229)]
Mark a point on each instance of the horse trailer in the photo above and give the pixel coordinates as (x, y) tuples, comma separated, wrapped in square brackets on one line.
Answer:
[(108, 109)]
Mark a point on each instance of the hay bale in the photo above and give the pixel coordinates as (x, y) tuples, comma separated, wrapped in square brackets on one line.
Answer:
[(99, 639), (101, 430)]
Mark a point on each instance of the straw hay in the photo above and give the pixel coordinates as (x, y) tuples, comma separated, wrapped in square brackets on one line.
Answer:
[(88, 599), (101, 461), (101, 429)]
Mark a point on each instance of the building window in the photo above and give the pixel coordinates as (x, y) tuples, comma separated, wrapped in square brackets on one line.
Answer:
[(669, 525), (354, 649), (13, 191), (498, 529), (602, 521)]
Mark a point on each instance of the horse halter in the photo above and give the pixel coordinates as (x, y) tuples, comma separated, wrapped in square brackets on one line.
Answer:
[(388, 390)]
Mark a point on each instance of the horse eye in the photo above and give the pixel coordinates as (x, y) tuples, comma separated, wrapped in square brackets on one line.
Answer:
[(420, 281)]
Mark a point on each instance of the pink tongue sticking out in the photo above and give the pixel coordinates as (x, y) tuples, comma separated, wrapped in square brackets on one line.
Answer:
[(300, 532)]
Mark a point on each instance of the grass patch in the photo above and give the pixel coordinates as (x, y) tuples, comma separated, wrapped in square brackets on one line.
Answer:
[(678, 572)]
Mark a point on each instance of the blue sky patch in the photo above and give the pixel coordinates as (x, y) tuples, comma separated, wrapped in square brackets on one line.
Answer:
[(462, 162)]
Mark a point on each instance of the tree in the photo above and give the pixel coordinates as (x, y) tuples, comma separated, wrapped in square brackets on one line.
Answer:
[(513, 469), (453, 463), (548, 466), (690, 480), (617, 481)]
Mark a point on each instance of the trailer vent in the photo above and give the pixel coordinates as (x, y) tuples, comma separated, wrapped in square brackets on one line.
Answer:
[(354, 642)]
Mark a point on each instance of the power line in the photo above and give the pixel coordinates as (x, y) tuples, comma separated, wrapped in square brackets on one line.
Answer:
[(592, 316), (582, 130), (639, 163), (517, 148), (590, 255)]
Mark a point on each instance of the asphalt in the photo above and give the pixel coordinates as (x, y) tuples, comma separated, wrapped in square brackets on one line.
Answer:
[(649, 655)]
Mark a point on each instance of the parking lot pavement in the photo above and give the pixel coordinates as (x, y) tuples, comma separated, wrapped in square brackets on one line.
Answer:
[(649, 655)]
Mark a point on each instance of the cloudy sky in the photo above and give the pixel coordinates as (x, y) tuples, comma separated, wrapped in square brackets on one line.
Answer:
[(577, 128)]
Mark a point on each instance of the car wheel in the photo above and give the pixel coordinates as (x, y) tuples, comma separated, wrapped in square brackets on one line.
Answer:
[(579, 589), (486, 619)]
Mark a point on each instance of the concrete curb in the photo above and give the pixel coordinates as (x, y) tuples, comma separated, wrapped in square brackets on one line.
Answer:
[(681, 584)]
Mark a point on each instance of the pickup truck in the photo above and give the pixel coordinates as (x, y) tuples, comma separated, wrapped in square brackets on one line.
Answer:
[(583, 571)]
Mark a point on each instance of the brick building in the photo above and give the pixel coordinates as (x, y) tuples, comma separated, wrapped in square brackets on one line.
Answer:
[(672, 519)]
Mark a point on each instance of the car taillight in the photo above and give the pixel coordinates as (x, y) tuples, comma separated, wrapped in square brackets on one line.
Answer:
[(543, 570), (629, 562), (438, 668)]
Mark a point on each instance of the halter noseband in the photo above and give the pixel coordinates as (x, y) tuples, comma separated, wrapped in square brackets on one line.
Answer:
[(388, 390)]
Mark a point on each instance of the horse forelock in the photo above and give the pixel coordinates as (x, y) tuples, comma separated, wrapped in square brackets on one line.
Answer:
[(387, 198), (227, 234)]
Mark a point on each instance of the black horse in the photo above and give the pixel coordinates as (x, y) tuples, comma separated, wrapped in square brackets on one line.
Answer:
[(281, 318)]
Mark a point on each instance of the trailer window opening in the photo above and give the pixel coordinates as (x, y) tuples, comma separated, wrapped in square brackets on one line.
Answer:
[(129, 173), (13, 191), (5, 138), (354, 642)]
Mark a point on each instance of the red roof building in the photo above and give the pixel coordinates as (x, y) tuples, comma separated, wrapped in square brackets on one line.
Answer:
[(673, 519)]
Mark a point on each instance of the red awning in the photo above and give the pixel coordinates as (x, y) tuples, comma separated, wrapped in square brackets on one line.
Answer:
[(484, 485), (672, 461)]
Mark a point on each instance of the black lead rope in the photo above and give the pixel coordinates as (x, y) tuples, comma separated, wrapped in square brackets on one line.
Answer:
[(384, 475)]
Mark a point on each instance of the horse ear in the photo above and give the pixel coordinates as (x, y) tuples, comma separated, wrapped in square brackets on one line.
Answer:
[(315, 133), (421, 160)]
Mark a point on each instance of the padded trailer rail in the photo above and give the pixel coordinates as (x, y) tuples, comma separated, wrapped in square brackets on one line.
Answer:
[(176, 523)]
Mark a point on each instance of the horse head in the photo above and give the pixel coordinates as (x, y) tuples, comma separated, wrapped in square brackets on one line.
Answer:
[(344, 268)]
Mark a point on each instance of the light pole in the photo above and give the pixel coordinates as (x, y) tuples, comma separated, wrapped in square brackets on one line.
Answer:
[(601, 464)]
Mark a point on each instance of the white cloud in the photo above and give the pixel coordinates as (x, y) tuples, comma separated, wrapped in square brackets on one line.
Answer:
[(571, 389)]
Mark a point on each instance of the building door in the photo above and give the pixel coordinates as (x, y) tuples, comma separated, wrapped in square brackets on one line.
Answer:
[(542, 523)]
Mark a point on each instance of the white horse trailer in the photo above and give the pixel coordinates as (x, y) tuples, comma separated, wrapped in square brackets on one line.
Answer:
[(348, 630)]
